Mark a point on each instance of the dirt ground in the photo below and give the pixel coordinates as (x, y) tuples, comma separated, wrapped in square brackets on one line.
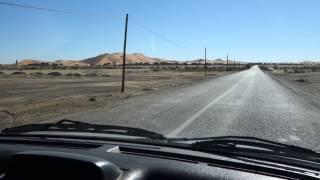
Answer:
[(304, 84), (34, 96)]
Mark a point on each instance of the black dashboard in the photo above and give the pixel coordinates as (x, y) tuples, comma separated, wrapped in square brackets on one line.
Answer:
[(73, 159)]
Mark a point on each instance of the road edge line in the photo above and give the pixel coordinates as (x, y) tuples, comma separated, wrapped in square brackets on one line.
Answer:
[(176, 131)]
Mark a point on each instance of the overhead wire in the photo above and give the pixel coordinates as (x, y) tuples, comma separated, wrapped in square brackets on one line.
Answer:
[(97, 15), (157, 34), (49, 9)]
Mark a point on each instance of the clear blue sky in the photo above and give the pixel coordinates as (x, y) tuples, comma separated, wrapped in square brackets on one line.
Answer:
[(250, 30)]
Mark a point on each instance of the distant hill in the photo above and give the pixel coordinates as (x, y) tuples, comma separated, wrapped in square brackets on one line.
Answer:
[(215, 61), (70, 63), (27, 62), (310, 62), (116, 58), (31, 62), (107, 58)]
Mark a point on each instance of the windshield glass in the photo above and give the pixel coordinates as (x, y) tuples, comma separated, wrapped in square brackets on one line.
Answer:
[(178, 68)]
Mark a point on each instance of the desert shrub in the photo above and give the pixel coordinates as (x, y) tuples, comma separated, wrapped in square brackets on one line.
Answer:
[(91, 75), (155, 69), (18, 72), (54, 74), (314, 69), (248, 66), (92, 99), (299, 71), (32, 68), (73, 74), (264, 68), (37, 74), (74, 67), (301, 80), (290, 71)]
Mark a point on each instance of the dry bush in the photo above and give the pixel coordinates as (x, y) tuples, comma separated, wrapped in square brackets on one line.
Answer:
[(74, 74), (91, 75), (18, 72), (54, 74), (37, 74), (299, 71), (302, 80)]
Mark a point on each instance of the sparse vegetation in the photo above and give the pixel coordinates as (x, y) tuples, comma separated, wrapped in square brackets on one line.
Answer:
[(74, 74), (54, 74), (40, 99), (37, 74), (265, 68), (77, 74), (290, 71), (106, 75), (301, 80), (91, 75), (299, 71), (294, 68), (18, 73)]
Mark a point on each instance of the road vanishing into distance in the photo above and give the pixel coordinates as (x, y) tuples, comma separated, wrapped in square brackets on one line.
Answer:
[(246, 103)]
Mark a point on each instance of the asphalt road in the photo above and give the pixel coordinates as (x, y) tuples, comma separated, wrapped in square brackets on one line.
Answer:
[(247, 103)]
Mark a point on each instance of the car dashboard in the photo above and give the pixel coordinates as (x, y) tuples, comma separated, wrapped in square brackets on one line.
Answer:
[(31, 158)]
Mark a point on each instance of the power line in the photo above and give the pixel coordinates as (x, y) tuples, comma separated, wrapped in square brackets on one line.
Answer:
[(96, 15), (49, 9), (157, 35)]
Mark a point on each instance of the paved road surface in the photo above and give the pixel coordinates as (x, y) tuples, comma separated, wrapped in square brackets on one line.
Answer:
[(248, 103)]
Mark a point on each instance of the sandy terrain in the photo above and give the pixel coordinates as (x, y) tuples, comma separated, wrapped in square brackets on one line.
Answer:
[(29, 97)]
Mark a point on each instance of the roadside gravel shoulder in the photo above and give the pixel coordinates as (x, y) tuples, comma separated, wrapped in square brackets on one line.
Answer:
[(300, 86)]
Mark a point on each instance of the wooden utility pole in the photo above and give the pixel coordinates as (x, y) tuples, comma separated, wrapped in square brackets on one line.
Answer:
[(124, 55), (205, 62), (227, 62)]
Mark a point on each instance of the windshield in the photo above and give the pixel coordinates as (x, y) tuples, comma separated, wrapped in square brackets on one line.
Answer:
[(182, 69)]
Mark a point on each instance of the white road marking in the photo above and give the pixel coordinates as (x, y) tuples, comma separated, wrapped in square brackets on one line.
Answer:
[(282, 140), (176, 131), (294, 137)]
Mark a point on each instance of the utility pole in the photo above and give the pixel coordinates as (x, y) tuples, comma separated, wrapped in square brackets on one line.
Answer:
[(124, 55), (234, 65), (205, 62), (227, 62)]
